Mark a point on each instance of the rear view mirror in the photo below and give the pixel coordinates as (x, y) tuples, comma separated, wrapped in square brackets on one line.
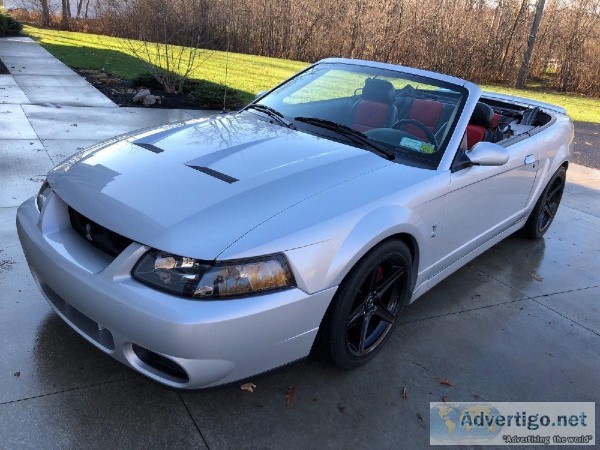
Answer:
[(487, 154)]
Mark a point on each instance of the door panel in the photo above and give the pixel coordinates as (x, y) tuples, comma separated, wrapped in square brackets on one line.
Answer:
[(484, 201)]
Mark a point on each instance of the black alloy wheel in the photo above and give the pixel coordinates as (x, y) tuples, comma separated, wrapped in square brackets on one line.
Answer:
[(546, 207), (550, 205), (368, 303), (375, 307)]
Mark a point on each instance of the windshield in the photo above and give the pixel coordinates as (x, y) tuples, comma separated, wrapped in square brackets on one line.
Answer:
[(407, 115)]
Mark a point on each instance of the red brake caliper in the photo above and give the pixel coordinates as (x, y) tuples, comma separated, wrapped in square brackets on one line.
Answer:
[(379, 275)]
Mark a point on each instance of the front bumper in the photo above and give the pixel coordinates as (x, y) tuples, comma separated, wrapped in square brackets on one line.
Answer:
[(211, 342)]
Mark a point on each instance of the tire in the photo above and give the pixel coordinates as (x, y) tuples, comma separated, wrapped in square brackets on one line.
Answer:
[(366, 305), (545, 209)]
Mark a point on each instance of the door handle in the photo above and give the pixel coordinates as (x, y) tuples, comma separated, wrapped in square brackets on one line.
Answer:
[(529, 159)]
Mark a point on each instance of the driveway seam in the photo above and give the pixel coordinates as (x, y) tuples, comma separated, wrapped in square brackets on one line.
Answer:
[(66, 390), (21, 89), (563, 292), (534, 298), (568, 318), (500, 281), (36, 134), (582, 212), (193, 420), (464, 311)]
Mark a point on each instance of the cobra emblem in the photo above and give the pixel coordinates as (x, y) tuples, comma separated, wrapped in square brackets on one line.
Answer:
[(88, 232)]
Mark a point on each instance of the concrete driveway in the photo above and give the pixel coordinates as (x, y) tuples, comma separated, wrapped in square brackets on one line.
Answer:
[(519, 323)]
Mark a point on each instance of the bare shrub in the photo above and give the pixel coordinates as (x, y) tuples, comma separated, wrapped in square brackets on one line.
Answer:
[(168, 37)]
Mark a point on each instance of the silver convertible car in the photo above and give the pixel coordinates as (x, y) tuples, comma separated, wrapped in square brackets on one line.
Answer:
[(204, 252)]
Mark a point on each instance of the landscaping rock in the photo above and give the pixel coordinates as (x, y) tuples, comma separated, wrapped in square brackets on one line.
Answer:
[(141, 95), (150, 100)]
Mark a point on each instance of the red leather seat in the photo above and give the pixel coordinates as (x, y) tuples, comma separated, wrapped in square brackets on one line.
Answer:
[(369, 114), (427, 112), (475, 134), (496, 120), (480, 125), (375, 108)]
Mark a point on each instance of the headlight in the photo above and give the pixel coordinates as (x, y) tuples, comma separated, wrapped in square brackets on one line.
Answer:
[(194, 278), (42, 196)]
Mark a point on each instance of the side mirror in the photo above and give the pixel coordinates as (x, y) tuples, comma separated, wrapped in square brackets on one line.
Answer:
[(259, 94), (487, 154)]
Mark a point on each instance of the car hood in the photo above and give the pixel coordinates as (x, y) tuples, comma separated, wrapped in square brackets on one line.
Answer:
[(195, 188)]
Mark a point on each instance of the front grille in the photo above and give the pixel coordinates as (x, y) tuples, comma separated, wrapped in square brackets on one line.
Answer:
[(83, 323), (102, 238)]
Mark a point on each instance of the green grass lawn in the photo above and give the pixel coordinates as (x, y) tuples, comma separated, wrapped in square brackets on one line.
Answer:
[(579, 108), (247, 74)]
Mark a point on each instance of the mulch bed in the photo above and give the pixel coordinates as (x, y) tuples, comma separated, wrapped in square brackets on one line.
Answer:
[(122, 91), (3, 69)]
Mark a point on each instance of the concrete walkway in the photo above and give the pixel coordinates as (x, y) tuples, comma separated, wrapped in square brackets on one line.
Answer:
[(519, 323)]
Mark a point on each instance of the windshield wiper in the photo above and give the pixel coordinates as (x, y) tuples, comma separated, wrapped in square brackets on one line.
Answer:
[(350, 133), (271, 112)]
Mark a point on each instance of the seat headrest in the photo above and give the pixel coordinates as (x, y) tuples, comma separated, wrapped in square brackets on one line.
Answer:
[(378, 91), (483, 115)]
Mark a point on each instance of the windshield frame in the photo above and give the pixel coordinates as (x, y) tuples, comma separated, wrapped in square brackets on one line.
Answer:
[(461, 87)]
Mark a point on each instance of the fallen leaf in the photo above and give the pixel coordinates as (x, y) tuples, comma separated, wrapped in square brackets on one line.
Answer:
[(290, 395), (248, 387), (341, 408), (445, 381), (404, 392), (419, 416), (536, 277), (17, 374), (445, 399)]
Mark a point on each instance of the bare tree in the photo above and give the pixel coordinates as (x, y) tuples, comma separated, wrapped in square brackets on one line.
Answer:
[(486, 41), (65, 14), (80, 4), (45, 13), (523, 71)]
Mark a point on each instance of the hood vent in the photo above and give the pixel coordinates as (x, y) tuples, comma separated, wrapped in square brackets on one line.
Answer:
[(215, 174), (152, 148)]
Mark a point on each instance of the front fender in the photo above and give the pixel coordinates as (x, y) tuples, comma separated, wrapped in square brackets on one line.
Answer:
[(371, 229), (337, 244), (326, 235)]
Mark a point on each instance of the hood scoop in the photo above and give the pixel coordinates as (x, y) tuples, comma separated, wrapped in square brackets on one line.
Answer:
[(151, 147), (215, 173)]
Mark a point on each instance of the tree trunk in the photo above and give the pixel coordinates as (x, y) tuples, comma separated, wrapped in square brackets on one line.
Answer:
[(45, 13), (511, 35), (524, 70), (65, 14)]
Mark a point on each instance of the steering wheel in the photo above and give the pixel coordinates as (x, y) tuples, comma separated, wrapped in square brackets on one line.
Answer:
[(421, 126)]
